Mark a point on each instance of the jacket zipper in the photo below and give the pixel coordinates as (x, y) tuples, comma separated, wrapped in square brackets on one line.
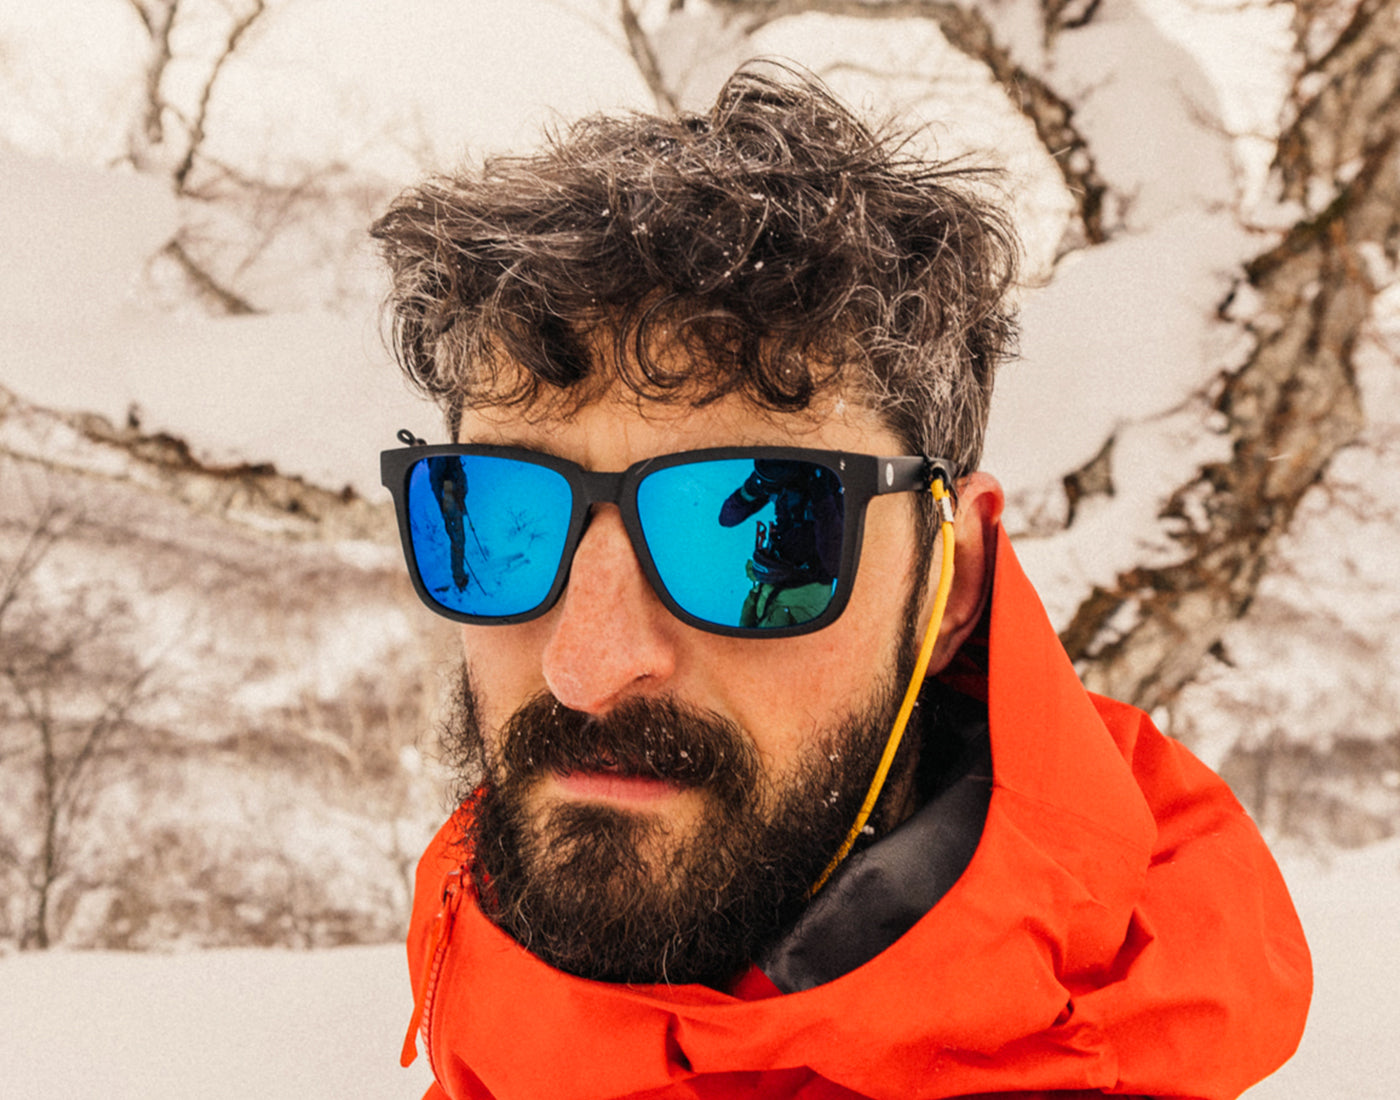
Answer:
[(428, 978)]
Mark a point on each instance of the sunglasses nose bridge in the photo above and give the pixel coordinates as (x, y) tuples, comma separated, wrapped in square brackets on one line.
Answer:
[(600, 487), (594, 487)]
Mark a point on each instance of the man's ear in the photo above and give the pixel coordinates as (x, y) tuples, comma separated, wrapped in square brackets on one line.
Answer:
[(980, 500)]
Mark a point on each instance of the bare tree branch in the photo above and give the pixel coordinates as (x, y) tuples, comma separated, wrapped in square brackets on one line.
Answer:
[(143, 14), (159, 20), (195, 142), (209, 288), (155, 145), (1067, 15), (68, 695), (644, 57), (46, 529)]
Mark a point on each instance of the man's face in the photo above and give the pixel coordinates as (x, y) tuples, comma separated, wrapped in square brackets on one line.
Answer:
[(658, 799)]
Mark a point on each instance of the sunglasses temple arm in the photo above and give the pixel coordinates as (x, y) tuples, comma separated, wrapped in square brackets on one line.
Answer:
[(907, 473)]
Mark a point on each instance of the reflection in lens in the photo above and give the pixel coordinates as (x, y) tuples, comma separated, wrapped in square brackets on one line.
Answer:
[(487, 532), (744, 542)]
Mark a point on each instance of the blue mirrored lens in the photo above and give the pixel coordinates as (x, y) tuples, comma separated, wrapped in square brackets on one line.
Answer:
[(487, 532), (750, 543)]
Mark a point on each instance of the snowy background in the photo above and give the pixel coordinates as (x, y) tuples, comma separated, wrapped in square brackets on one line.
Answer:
[(329, 106)]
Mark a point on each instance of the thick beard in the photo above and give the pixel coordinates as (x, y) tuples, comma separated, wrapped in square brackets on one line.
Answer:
[(613, 895)]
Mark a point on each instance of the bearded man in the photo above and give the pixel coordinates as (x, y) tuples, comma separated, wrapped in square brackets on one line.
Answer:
[(775, 780)]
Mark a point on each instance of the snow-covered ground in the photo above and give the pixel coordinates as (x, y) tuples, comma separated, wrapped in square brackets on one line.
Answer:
[(1349, 1049), (218, 1025), (326, 1025)]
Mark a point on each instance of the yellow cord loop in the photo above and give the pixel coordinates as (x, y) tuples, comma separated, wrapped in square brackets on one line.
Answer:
[(916, 680)]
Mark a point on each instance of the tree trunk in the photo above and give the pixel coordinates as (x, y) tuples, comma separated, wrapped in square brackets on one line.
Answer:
[(1294, 402)]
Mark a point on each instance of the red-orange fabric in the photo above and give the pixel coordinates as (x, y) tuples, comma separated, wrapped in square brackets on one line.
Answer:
[(1121, 929)]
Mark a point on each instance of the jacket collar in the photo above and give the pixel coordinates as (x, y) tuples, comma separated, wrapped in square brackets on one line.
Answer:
[(883, 890)]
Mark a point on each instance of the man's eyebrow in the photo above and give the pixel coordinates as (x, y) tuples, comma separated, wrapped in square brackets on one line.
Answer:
[(538, 446), (545, 447)]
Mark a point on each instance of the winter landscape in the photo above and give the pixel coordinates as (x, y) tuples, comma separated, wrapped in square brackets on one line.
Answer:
[(217, 693)]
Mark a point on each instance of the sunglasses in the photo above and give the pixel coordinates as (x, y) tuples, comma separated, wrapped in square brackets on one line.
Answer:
[(742, 541)]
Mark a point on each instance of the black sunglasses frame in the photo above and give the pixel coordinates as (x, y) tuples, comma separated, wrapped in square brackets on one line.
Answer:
[(862, 477)]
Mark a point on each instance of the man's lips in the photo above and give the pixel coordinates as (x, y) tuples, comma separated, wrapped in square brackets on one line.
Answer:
[(614, 787)]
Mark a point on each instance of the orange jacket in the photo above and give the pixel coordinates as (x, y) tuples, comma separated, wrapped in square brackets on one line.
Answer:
[(1121, 929)]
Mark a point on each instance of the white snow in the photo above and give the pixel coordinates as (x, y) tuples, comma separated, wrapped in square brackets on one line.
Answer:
[(1122, 334), (276, 1025), (1348, 906), (1113, 534), (313, 391)]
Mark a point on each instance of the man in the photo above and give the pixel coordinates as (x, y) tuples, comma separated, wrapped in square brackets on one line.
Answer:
[(704, 853)]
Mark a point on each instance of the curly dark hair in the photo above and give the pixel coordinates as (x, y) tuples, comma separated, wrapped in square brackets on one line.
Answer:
[(775, 247)]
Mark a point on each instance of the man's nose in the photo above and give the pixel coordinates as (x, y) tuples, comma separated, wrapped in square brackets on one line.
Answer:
[(611, 636)]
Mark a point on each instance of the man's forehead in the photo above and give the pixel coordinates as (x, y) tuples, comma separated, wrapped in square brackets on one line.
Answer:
[(623, 418)]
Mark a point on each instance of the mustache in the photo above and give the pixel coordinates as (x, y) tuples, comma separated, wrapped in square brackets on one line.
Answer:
[(648, 738)]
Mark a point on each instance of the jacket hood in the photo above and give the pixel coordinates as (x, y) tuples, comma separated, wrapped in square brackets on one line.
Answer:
[(1120, 927)]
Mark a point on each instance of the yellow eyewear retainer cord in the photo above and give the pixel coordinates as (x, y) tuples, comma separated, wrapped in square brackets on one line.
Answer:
[(944, 502)]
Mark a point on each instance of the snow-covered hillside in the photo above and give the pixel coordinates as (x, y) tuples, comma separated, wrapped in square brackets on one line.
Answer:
[(226, 669)]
